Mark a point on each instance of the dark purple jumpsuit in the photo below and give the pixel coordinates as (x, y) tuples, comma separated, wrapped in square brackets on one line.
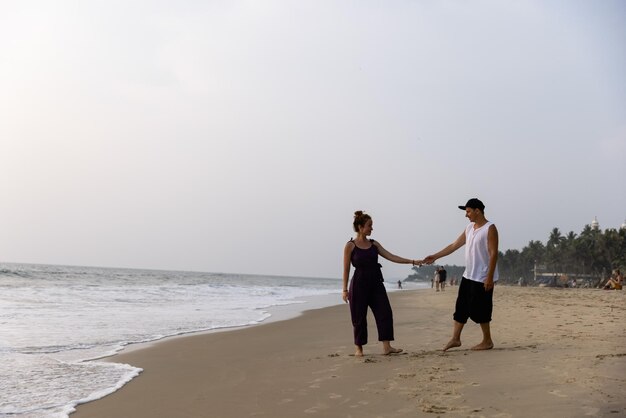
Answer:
[(367, 290)]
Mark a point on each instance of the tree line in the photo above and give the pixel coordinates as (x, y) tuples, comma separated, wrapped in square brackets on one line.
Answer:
[(590, 255)]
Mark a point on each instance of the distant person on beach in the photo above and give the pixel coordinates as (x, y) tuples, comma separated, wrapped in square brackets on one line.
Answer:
[(442, 277), (436, 279), (399, 284), (366, 287), (616, 281), (475, 297)]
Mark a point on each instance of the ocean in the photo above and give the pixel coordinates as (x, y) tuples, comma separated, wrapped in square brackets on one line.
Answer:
[(56, 322)]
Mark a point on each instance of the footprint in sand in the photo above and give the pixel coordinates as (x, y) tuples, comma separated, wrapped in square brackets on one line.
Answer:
[(315, 409), (434, 409), (557, 393), (359, 403), (315, 384)]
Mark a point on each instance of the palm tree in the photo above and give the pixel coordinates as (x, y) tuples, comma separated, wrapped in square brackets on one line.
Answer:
[(554, 251), (568, 258), (584, 249), (555, 238), (532, 254), (510, 266), (612, 249)]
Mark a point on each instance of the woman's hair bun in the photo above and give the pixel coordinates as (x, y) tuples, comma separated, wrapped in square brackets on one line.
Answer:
[(360, 219)]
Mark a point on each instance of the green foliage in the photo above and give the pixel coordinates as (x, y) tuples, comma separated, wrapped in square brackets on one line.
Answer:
[(592, 253)]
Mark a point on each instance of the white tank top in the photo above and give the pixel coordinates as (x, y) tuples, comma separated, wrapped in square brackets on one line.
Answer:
[(477, 253)]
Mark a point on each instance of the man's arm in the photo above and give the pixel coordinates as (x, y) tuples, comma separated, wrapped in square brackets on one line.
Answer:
[(460, 241), (492, 248)]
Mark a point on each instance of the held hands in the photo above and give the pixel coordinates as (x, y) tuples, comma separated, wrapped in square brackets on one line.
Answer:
[(417, 263), (429, 260)]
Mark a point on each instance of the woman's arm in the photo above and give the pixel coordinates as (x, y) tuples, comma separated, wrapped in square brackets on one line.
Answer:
[(347, 253), (392, 257)]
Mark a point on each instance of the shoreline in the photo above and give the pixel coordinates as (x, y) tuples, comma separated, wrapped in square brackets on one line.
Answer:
[(276, 312), (557, 352)]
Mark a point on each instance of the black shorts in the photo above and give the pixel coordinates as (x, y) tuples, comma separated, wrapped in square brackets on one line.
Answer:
[(473, 302)]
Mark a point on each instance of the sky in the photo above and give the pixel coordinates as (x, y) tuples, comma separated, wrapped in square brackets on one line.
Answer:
[(241, 136)]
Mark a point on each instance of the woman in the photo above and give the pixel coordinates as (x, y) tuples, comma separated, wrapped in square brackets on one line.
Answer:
[(366, 287), (615, 282)]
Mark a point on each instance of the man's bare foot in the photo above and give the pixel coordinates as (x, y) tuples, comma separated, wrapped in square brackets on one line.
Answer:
[(358, 352), (485, 345), (392, 350), (451, 344)]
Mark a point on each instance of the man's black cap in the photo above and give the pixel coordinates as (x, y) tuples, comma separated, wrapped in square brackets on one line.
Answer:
[(473, 204)]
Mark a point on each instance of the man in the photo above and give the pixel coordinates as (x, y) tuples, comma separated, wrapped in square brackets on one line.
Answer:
[(443, 274), (475, 297)]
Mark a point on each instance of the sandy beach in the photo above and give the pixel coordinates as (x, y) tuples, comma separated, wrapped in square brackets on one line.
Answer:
[(558, 353)]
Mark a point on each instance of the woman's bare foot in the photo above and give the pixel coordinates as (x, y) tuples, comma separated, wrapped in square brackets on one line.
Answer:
[(451, 344), (391, 350), (388, 349), (485, 345), (359, 351)]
